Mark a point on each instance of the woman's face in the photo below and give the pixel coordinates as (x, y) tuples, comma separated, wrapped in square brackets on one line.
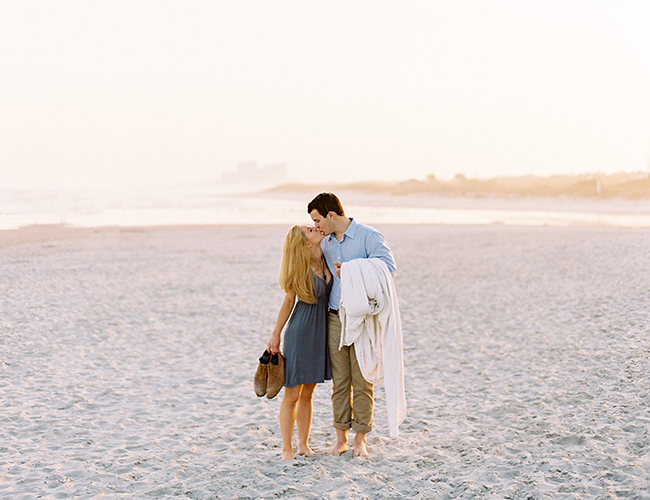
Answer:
[(312, 234)]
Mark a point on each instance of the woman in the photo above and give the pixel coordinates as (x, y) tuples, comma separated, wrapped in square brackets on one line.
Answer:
[(305, 276)]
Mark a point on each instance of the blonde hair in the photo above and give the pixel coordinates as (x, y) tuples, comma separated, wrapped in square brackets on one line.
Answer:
[(295, 269)]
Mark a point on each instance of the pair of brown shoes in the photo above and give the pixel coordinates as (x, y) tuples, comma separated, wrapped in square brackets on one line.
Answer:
[(269, 377)]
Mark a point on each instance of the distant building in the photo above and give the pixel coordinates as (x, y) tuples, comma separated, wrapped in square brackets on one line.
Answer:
[(275, 172), (247, 168)]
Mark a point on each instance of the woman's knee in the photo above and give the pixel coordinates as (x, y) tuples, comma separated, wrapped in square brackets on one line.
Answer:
[(292, 394), (307, 392)]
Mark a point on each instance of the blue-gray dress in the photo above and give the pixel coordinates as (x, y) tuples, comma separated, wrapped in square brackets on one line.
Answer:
[(306, 356)]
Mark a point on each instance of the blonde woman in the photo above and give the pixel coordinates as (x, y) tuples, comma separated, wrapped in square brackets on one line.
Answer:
[(303, 276)]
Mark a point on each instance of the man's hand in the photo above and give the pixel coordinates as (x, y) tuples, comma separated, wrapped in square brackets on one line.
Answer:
[(337, 268)]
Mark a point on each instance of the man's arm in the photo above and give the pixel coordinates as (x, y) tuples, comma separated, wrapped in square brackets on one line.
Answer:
[(377, 248)]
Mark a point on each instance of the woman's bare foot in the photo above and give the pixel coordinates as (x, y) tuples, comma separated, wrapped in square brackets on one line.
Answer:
[(360, 449), (287, 456), (306, 451)]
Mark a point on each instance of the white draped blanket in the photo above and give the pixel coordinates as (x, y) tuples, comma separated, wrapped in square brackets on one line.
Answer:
[(370, 320)]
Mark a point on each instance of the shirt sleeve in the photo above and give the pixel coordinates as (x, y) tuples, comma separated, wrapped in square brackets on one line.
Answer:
[(377, 248)]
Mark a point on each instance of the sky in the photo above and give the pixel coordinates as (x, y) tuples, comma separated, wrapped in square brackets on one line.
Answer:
[(141, 92)]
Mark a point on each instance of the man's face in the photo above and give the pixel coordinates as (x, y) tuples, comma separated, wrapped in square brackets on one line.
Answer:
[(323, 224)]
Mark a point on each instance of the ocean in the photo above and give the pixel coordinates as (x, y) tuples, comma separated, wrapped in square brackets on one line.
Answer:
[(209, 205)]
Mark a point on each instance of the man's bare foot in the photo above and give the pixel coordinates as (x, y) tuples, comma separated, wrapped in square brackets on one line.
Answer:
[(306, 451), (360, 449), (287, 456), (339, 449)]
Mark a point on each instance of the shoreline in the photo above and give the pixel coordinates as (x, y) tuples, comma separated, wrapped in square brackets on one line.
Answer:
[(43, 233), (206, 207), (488, 202)]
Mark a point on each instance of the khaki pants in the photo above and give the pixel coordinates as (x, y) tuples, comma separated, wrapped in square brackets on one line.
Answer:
[(349, 412)]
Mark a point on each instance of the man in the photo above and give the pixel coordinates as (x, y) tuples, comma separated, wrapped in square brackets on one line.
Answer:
[(345, 240)]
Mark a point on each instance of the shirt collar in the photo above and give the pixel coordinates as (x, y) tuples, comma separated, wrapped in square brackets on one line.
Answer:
[(350, 232)]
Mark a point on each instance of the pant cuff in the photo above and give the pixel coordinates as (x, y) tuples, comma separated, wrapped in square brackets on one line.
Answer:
[(360, 428), (343, 426)]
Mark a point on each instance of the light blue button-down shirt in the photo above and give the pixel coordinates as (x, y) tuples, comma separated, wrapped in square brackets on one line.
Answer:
[(358, 242)]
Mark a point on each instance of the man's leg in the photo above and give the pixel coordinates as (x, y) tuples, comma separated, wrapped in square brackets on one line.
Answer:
[(341, 381), (362, 406)]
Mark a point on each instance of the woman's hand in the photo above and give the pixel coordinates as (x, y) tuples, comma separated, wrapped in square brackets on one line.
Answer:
[(285, 311), (274, 344)]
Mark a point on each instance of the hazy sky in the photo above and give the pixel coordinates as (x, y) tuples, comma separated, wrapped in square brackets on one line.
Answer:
[(128, 92)]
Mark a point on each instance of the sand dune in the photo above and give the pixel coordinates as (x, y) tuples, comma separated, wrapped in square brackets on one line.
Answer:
[(128, 355), (622, 185)]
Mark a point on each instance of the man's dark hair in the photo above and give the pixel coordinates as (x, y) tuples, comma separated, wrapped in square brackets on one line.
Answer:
[(326, 203)]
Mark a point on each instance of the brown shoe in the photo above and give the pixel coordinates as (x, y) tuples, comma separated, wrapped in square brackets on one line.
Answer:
[(262, 374), (276, 376)]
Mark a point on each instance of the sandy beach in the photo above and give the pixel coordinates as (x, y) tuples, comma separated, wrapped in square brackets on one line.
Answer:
[(127, 359)]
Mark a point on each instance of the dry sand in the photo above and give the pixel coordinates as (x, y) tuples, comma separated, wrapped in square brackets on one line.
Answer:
[(128, 355)]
